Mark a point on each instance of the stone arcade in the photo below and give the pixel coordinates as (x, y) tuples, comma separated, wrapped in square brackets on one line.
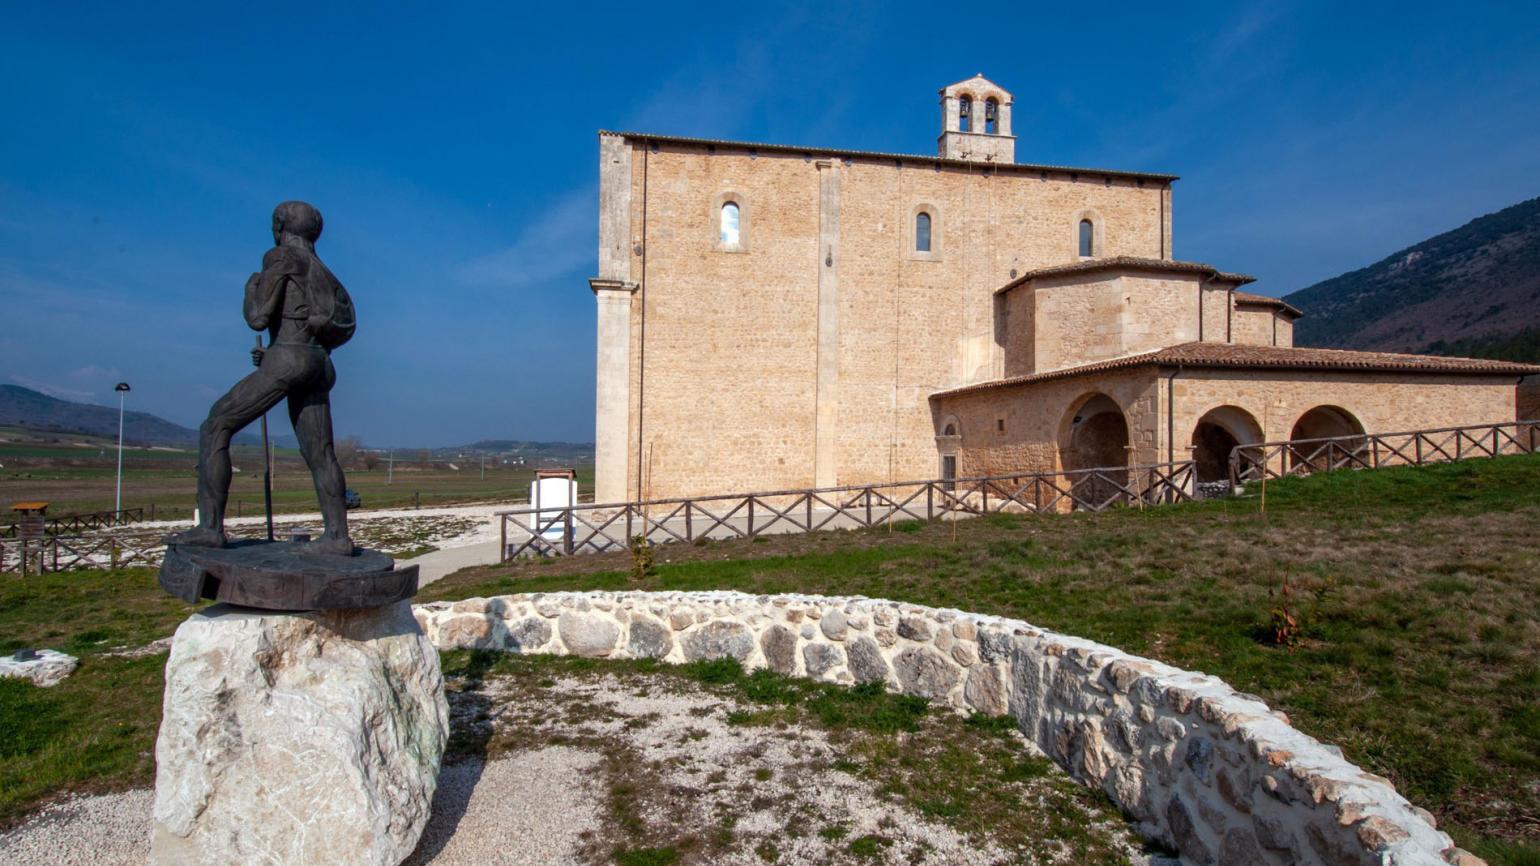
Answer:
[(774, 317)]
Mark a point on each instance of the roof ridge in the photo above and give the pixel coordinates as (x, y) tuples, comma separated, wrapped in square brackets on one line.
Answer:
[(1092, 265), (877, 154), (1205, 354)]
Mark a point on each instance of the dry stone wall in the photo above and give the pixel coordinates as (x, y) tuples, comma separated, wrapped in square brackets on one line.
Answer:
[(1213, 773)]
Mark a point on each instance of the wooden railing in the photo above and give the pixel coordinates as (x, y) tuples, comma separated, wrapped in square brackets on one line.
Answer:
[(597, 528), (72, 524), (1373, 450), (66, 552)]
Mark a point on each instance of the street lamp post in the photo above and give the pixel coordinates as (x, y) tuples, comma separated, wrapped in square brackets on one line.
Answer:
[(122, 389)]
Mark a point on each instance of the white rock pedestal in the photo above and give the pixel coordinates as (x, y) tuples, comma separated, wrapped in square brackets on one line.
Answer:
[(298, 738)]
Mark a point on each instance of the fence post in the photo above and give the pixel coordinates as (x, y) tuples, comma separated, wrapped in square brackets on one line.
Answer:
[(689, 524), (930, 501), (751, 516), (502, 539), (566, 531), (809, 499)]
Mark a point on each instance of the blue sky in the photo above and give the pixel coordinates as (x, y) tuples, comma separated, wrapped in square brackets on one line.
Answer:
[(451, 148)]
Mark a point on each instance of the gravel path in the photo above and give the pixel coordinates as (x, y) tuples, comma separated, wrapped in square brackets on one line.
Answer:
[(107, 830), (529, 809)]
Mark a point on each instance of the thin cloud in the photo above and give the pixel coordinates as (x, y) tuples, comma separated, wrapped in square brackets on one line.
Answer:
[(55, 391), (92, 373), (1239, 33), (557, 243)]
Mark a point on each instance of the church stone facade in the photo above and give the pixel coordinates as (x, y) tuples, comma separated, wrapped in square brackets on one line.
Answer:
[(774, 317)]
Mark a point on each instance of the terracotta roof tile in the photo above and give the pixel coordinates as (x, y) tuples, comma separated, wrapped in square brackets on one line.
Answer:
[(1125, 263), (1232, 356)]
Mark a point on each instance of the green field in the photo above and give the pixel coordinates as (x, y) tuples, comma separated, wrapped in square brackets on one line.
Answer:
[(80, 478), (1417, 593)]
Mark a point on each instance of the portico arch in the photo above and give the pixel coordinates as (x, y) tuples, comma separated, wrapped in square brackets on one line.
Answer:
[(1094, 435), (1216, 434), (1324, 422)]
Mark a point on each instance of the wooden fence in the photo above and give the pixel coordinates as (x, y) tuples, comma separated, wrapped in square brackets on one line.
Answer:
[(1373, 450), (597, 528), (66, 552), (72, 524)]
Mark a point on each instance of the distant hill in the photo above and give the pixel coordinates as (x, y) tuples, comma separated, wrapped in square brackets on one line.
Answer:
[(582, 450), (1474, 291), (24, 407)]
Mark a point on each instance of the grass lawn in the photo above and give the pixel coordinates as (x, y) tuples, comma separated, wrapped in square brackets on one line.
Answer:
[(96, 730), (1417, 592)]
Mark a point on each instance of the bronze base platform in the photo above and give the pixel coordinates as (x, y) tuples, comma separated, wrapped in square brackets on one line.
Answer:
[(284, 575)]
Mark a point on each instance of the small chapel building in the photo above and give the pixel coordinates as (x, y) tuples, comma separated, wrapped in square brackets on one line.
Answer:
[(775, 317)]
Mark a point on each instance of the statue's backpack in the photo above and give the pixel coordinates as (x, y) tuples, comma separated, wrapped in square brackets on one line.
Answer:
[(328, 308)]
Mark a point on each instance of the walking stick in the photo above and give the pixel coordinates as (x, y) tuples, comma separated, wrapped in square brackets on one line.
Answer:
[(267, 469)]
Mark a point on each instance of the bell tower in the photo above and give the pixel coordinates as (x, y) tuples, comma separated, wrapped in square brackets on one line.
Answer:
[(976, 122)]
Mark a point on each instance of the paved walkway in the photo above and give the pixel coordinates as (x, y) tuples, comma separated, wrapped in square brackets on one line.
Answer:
[(432, 566)]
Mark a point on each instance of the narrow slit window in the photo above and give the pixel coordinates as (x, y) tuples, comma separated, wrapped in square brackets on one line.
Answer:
[(1085, 238), (991, 117), (964, 114), (729, 233), (922, 232)]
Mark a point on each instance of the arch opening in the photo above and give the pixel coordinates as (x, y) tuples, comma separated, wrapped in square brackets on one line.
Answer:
[(1325, 422), (1095, 436), (728, 226), (1216, 434), (1087, 245)]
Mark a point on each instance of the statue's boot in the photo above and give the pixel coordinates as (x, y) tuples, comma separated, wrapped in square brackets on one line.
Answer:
[(337, 545), (199, 536)]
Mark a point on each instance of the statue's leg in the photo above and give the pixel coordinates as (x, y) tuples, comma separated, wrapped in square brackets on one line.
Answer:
[(310, 410), (242, 405)]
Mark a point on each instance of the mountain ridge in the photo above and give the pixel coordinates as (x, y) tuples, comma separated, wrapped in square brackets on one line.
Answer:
[(1471, 291), (25, 407)]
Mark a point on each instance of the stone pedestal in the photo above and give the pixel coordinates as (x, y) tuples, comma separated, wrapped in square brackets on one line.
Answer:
[(298, 738)]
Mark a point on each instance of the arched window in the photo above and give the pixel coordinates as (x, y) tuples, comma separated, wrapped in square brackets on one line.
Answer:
[(964, 114), (922, 232), (991, 116), (1086, 230), (729, 224)]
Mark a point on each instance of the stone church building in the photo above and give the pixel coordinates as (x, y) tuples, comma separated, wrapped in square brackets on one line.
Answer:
[(773, 317)]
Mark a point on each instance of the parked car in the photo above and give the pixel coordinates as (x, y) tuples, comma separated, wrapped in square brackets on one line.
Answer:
[(351, 499)]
